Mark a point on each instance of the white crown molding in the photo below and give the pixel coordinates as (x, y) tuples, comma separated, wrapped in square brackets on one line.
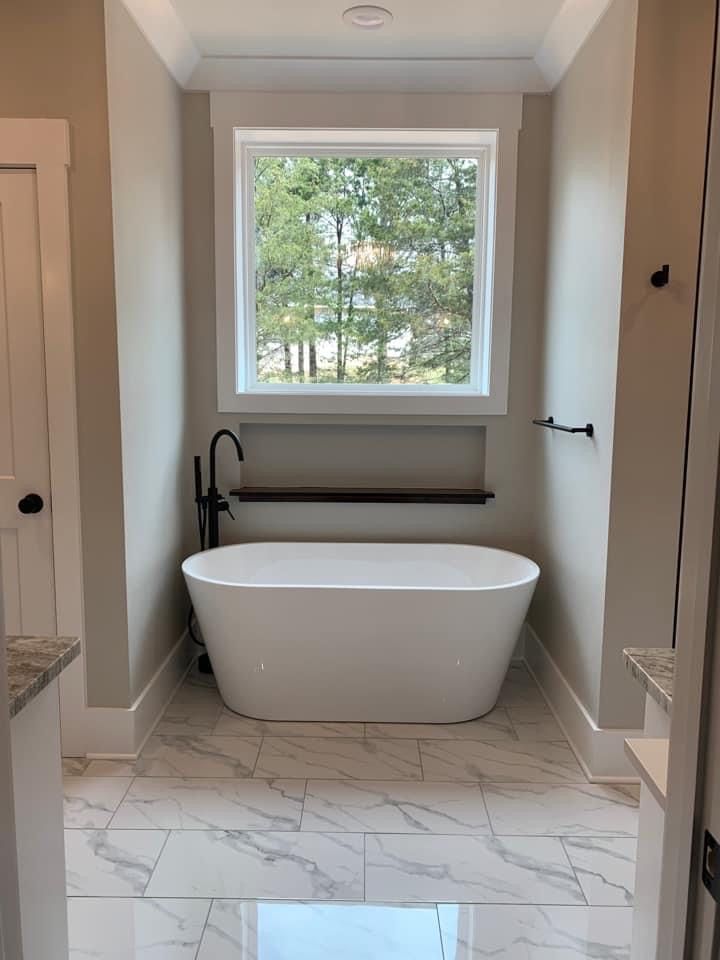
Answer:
[(573, 24), (367, 75), (159, 22), (165, 31)]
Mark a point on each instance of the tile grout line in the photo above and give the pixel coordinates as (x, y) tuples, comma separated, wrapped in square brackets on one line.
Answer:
[(422, 766), (487, 810), (155, 866), (388, 903), (204, 929), (124, 796), (572, 867), (257, 760), (364, 868), (302, 809), (442, 944)]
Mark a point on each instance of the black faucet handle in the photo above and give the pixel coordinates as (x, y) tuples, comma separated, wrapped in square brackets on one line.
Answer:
[(223, 505)]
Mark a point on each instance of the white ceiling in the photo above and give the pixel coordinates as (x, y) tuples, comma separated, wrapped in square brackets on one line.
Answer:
[(315, 28), (431, 46)]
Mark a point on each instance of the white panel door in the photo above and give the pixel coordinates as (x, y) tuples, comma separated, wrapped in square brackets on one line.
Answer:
[(25, 510)]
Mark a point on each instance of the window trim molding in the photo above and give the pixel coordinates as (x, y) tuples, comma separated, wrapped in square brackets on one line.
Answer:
[(462, 119)]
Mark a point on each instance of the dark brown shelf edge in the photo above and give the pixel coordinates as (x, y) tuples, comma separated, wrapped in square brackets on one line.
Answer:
[(360, 495)]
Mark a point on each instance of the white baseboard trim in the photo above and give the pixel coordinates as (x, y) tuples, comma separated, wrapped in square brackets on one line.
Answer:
[(600, 750), (118, 733)]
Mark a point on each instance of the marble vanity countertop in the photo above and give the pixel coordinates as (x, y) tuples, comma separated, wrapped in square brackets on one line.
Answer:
[(654, 669), (33, 663)]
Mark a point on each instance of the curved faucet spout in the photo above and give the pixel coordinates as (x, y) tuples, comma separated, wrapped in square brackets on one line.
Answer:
[(213, 498), (213, 447)]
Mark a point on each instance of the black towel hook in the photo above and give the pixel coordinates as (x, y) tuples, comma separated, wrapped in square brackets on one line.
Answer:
[(661, 277)]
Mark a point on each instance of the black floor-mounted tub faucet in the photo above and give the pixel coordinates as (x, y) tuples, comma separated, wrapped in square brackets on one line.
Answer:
[(216, 503)]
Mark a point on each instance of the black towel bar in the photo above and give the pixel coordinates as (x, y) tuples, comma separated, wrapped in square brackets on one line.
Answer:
[(588, 429)]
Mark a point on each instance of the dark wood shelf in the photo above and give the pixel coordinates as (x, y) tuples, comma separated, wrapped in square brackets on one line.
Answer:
[(361, 495)]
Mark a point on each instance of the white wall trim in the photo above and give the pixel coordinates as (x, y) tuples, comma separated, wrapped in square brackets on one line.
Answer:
[(364, 115), (600, 750), (45, 146), (118, 732), (697, 623), (573, 24), (162, 27)]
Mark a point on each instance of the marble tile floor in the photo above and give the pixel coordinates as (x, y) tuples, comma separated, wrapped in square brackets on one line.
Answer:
[(232, 837)]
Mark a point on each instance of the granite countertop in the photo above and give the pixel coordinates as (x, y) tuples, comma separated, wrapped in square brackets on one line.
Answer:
[(33, 663), (654, 669)]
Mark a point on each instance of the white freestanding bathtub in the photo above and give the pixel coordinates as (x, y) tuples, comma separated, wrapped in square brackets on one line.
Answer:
[(381, 632)]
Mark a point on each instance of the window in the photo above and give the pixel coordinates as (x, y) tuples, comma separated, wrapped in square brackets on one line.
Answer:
[(365, 271)]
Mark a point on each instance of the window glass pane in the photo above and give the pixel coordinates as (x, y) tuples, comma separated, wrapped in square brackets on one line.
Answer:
[(364, 269)]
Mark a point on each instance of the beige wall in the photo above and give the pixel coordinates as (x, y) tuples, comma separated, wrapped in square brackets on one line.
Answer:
[(131, 407), (629, 134), (667, 164), (146, 166), (590, 146), (53, 65), (498, 449)]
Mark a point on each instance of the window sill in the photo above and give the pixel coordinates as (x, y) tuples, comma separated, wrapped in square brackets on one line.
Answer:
[(352, 405)]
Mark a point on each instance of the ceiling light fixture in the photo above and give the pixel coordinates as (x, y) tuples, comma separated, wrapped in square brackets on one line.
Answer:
[(367, 17)]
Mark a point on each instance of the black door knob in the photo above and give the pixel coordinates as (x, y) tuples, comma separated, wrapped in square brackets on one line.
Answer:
[(32, 503)]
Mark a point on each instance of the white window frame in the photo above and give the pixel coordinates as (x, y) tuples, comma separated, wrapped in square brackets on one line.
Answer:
[(238, 142)]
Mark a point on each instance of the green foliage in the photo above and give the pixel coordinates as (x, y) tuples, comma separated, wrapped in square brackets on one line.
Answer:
[(364, 269)]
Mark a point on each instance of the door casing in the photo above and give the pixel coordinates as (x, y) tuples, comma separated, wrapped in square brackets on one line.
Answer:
[(25, 540), (44, 146), (698, 575)]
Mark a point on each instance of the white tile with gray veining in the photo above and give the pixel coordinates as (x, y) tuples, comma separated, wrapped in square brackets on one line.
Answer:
[(395, 807), (493, 726), (111, 768), (339, 759), (242, 930), (535, 722), (605, 868), (196, 696), (506, 762), (469, 870), (111, 863), (234, 864), (519, 689), (535, 933), (127, 928), (399, 814), (74, 766), (582, 809), (91, 801), (194, 804), (199, 756), (234, 725), (185, 719)]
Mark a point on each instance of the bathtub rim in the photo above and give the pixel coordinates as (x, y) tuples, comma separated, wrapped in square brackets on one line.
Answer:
[(532, 577)]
